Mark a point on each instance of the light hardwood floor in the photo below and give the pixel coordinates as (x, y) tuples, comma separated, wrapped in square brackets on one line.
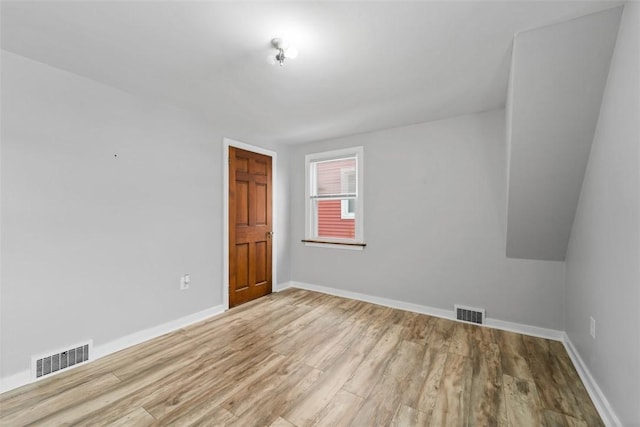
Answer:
[(299, 358)]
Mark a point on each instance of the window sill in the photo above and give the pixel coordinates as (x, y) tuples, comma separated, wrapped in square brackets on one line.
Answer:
[(337, 245)]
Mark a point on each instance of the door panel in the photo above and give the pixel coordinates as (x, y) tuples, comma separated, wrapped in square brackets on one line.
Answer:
[(261, 261), (260, 166), (261, 204), (242, 269), (242, 202), (250, 226)]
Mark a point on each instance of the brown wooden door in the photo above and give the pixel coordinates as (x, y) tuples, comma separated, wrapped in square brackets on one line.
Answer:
[(250, 227)]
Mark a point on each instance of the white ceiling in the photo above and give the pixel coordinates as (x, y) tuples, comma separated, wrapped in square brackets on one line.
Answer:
[(362, 66)]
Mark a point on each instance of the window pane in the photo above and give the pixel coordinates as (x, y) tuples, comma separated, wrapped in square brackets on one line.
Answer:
[(335, 177), (330, 220)]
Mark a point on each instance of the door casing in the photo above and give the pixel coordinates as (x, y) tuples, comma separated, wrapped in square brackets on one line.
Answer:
[(226, 143)]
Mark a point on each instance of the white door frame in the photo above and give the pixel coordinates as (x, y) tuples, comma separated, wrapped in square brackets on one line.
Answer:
[(226, 143)]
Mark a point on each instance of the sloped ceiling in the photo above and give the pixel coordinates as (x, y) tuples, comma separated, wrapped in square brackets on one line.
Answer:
[(558, 76), (362, 66)]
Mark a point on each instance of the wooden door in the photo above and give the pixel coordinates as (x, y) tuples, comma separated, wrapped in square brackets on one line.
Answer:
[(250, 227)]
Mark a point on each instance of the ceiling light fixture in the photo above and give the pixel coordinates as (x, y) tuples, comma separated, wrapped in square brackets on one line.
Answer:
[(284, 51)]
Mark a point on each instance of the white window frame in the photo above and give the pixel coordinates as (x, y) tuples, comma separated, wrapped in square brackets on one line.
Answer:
[(311, 232)]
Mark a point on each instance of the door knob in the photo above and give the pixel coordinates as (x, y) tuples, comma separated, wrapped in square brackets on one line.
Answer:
[(269, 233)]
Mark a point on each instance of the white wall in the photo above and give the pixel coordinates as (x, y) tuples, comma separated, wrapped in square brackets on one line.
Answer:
[(603, 259), (93, 245), (434, 224)]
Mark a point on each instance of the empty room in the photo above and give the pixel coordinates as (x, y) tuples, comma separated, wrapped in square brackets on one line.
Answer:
[(320, 213)]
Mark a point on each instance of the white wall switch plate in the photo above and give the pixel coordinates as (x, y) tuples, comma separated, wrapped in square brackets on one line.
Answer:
[(185, 282)]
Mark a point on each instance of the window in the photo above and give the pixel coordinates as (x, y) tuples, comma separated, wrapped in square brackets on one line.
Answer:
[(334, 197)]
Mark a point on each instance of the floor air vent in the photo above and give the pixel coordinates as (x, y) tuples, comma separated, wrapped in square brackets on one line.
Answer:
[(469, 314), (43, 366)]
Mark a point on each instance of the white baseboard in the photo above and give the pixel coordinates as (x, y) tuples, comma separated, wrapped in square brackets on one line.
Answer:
[(24, 377), (15, 380), (279, 287), (416, 308), (153, 332), (600, 401), (536, 331)]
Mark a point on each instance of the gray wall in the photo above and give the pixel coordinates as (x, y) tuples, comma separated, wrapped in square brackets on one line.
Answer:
[(283, 219), (555, 96), (603, 259), (93, 245), (434, 224)]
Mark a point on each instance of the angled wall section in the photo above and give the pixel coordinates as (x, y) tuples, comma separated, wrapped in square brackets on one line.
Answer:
[(557, 80)]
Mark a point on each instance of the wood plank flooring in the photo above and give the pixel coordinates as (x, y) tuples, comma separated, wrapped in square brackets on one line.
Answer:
[(300, 358)]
